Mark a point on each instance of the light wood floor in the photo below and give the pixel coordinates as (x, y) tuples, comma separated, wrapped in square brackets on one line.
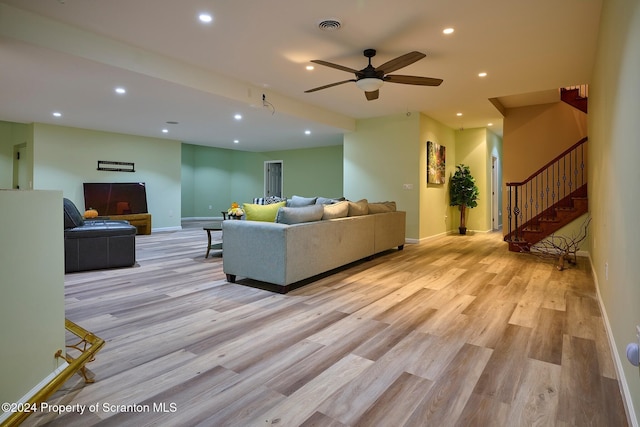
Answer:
[(454, 332)]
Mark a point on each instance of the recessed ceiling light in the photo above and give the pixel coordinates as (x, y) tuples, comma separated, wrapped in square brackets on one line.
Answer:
[(120, 90), (458, 114), (448, 31), (483, 74), (165, 130), (307, 132), (235, 141), (57, 114), (205, 17), (489, 124), (310, 67), (238, 117)]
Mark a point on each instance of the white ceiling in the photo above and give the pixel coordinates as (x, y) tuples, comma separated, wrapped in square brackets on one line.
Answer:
[(69, 55)]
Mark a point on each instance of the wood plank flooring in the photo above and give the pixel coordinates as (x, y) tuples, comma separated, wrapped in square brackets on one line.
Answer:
[(457, 331)]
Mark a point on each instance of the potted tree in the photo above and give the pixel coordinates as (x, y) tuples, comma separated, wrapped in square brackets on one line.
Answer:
[(463, 193)]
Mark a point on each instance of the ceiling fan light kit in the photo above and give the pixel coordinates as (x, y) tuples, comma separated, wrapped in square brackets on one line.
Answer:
[(371, 78), (369, 84)]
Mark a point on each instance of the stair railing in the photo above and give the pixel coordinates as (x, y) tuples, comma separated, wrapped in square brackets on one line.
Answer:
[(583, 90), (551, 187)]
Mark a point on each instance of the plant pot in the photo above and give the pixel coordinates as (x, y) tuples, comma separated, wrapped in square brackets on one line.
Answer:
[(463, 230)]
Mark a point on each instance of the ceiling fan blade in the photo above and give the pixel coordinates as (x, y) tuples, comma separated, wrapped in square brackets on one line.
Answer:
[(413, 80), (336, 66), (400, 62), (329, 85), (372, 95)]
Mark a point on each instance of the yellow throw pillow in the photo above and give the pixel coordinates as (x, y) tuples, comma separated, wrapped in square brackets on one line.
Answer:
[(266, 213)]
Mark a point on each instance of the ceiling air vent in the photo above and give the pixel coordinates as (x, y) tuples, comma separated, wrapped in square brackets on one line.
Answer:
[(329, 24)]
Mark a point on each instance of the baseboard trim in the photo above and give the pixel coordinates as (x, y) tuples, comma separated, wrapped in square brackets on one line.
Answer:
[(622, 379), (46, 380), (178, 228), (202, 218)]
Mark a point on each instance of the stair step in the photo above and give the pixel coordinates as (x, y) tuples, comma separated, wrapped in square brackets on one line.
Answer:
[(549, 220)]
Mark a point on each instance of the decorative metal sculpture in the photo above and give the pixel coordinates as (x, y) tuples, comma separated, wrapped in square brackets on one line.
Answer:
[(563, 247)]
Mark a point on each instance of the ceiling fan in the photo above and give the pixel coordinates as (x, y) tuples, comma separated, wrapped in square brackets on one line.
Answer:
[(371, 78)]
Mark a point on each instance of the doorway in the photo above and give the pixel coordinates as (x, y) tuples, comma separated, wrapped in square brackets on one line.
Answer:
[(273, 178), (495, 190), (20, 169)]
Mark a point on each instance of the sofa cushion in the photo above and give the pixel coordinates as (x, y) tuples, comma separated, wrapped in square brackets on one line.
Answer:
[(72, 217), (288, 215), (328, 200), (361, 207), (254, 212), (298, 201), (379, 207), (336, 210)]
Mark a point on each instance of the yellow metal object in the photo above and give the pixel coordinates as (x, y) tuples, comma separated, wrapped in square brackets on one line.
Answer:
[(88, 345)]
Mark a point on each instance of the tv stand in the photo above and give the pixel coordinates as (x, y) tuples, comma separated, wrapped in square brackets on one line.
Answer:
[(141, 221)]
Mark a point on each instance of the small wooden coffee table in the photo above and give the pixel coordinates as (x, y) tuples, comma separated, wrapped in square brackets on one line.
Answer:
[(214, 226)]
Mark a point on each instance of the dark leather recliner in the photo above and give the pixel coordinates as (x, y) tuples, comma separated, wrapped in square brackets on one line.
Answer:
[(96, 244)]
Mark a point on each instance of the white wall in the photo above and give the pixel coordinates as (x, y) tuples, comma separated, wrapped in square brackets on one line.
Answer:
[(614, 174), (65, 157), (32, 286)]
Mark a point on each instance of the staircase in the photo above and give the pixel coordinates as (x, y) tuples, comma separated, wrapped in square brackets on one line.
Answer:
[(576, 96), (549, 199)]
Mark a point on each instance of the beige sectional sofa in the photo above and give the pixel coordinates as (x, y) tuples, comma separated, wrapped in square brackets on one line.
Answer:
[(283, 255)]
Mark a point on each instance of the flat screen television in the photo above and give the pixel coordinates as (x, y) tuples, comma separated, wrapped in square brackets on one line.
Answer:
[(116, 198)]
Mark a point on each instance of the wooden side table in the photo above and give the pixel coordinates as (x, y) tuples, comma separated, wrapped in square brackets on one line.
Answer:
[(214, 226)]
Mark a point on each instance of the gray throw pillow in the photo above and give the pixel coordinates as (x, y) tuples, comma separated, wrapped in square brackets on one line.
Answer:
[(297, 201), (326, 200), (288, 215)]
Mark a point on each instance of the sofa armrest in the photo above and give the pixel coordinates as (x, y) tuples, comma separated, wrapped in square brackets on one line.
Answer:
[(254, 249), (390, 230)]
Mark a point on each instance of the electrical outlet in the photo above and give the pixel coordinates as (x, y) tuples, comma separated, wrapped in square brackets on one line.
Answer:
[(407, 186), (210, 207)]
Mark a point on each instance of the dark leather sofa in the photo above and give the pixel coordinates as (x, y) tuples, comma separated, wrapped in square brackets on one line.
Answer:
[(96, 244)]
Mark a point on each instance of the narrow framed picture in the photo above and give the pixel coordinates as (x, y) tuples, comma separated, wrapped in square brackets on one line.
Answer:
[(436, 155)]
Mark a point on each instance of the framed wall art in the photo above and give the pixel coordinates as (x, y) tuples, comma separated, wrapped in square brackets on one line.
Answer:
[(436, 155)]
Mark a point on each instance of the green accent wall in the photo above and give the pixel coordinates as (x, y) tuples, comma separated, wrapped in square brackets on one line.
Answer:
[(311, 171), (216, 177)]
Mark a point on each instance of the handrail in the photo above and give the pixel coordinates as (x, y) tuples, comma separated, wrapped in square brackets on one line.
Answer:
[(74, 366), (558, 157), (552, 187)]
